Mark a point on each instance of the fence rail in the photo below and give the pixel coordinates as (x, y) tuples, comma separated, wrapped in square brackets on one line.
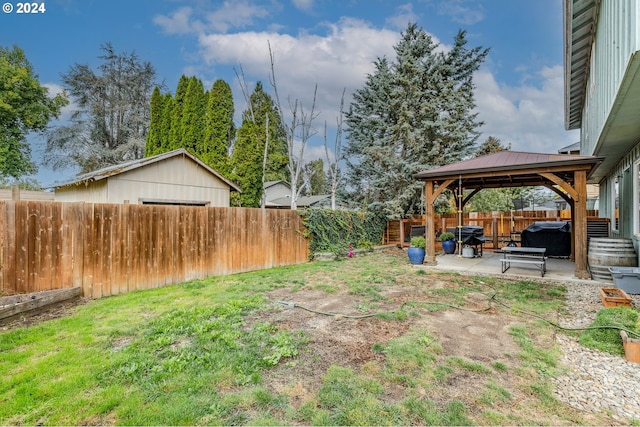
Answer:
[(107, 249), (498, 227)]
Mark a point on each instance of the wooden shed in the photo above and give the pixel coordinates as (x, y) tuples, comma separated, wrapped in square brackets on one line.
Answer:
[(173, 178)]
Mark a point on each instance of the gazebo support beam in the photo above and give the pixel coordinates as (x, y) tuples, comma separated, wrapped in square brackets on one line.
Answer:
[(579, 224), (431, 193)]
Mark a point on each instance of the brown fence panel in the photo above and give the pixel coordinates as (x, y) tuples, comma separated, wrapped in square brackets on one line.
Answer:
[(497, 226), (108, 249)]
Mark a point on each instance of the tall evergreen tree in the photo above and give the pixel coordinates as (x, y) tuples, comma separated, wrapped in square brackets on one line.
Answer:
[(154, 141), (413, 114), (247, 164), (193, 115), (315, 178), (261, 125), (165, 124), (219, 128), (176, 132), (262, 105), (491, 145)]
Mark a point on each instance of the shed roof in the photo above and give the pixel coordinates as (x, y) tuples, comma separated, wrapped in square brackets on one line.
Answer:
[(302, 202), (511, 168), (109, 171)]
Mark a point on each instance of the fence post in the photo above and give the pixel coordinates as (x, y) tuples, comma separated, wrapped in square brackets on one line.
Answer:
[(15, 193)]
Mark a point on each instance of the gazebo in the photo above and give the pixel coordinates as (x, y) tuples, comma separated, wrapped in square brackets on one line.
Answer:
[(565, 174)]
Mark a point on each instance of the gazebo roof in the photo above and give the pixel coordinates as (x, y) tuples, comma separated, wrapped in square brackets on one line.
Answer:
[(511, 169)]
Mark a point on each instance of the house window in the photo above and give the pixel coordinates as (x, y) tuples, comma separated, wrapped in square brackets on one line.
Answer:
[(615, 203)]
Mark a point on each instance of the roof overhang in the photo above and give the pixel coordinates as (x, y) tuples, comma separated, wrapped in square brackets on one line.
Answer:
[(580, 19), (512, 169)]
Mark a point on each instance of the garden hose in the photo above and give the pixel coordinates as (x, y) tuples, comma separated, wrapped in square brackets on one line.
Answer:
[(493, 297)]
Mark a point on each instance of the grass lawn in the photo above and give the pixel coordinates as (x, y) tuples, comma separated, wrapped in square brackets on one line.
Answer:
[(365, 341)]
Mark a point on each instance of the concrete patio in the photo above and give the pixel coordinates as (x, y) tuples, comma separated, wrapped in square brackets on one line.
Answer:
[(558, 269)]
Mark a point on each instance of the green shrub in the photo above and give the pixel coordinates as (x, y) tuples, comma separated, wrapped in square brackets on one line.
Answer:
[(418, 242), (447, 236), (606, 336), (340, 231)]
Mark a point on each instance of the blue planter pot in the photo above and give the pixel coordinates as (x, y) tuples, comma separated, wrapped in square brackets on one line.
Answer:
[(416, 255), (449, 246)]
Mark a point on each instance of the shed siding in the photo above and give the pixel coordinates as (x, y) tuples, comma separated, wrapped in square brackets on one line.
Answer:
[(91, 192), (174, 179), (617, 37), (177, 178)]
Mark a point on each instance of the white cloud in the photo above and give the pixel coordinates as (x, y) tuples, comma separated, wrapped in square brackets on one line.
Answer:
[(530, 118), (179, 22), (461, 13), (334, 61), (530, 115), (55, 89), (403, 16), (305, 5), (231, 14)]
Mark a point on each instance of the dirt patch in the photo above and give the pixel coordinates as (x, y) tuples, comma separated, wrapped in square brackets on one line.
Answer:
[(334, 338), (42, 314), (477, 333)]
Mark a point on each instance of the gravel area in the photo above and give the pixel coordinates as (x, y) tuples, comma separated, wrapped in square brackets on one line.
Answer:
[(595, 381)]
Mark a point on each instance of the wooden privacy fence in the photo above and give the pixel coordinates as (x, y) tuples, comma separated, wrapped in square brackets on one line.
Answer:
[(107, 249), (498, 227)]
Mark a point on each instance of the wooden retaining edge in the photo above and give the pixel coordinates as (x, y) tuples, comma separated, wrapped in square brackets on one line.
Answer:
[(10, 306), (631, 348)]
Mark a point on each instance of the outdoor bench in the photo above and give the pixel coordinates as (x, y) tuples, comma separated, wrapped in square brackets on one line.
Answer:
[(526, 255)]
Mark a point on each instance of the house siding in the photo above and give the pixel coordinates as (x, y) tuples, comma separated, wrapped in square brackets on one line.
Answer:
[(617, 38)]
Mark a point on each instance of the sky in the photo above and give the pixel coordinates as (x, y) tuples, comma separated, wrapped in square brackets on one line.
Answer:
[(332, 44)]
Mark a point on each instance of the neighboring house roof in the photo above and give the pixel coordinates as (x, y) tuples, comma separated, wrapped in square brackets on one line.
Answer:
[(303, 201), (570, 149), (109, 171), (579, 33), (268, 184)]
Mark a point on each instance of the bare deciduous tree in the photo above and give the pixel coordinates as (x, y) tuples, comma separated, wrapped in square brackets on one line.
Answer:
[(333, 166), (300, 130)]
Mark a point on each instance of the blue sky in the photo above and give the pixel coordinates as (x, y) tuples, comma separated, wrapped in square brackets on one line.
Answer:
[(519, 90)]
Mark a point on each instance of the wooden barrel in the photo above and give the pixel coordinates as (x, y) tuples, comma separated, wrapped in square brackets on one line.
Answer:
[(605, 252)]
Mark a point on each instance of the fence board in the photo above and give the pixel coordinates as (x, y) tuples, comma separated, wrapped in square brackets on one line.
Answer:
[(56, 246), (108, 249), (22, 248)]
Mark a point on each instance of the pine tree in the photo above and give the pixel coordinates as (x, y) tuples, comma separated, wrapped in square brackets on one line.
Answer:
[(491, 145), (219, 128), (155, 125), (413, 114)]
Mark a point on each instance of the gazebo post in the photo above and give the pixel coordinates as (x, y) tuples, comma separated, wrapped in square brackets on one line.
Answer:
[(580, 224), (430, 235)]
